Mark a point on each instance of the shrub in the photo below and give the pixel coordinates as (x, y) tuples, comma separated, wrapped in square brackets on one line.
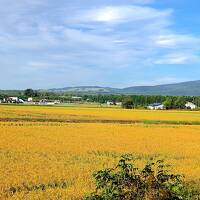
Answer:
[(127, 182)]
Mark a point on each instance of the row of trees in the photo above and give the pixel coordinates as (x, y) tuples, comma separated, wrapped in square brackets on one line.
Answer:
[(35, 94), (129, 101), (137, 101), (170, 102)]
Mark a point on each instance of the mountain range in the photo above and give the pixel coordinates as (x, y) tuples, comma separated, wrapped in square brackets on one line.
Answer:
[(190, 88)]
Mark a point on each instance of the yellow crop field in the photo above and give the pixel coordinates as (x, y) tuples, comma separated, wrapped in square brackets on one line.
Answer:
[(45, 112), (55, 160)]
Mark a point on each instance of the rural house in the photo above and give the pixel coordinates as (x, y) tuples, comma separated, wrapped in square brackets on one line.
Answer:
[(110, 103), (156, 106), (190, 105)]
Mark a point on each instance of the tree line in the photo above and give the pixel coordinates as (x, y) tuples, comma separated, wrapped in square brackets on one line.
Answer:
[(128, 101), (139, 101)]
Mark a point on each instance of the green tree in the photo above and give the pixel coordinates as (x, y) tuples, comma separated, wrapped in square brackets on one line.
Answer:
[(30, 93), (168, 103), (128, 103), (180, 102)]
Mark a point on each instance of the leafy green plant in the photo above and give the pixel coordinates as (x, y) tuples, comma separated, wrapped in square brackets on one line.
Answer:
[(127, 182)]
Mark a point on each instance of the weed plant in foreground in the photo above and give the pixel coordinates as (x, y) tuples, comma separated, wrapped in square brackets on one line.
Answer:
[(153, 182)]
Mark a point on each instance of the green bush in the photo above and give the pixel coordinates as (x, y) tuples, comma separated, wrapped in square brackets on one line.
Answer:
[(127, 182)]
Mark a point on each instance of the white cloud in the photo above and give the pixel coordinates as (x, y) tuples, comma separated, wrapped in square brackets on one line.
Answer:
[(120, 14), (178, 58), (176, 41)]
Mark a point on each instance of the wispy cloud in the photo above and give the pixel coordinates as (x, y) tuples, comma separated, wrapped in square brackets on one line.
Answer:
[(177, 41), (120, 14), (178, 58)]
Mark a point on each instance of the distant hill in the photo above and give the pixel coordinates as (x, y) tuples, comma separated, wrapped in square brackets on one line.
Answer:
[(191, 88), (87, 89)]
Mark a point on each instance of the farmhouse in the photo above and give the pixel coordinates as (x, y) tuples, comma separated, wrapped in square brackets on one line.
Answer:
[(190, 105), (30, 99), (20, 101), (12, 99), (110, 103), (119, 103), (76, 98), (48, 102), (156, 106)]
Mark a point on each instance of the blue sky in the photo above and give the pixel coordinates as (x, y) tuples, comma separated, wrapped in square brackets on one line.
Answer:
[(117, 43)]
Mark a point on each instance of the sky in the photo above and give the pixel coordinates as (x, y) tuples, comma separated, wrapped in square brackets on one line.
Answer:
[(116, 43)]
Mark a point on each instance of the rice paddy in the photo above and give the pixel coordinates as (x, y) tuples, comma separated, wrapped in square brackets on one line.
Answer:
[(51, 152)]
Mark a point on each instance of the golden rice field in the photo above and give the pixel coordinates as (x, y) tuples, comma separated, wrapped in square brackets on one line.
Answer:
[(81, 113), (55, 160)]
